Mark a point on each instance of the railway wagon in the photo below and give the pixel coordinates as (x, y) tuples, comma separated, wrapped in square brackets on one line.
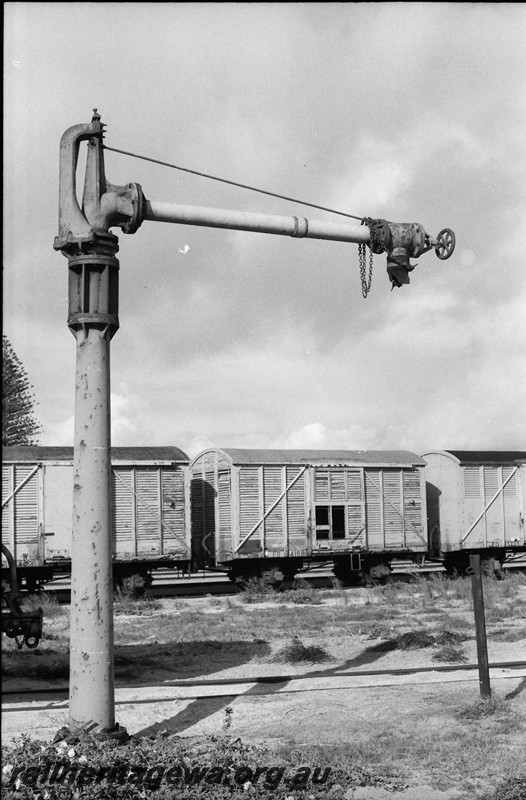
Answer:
[(150, 515), (476, 503), (266, 514)]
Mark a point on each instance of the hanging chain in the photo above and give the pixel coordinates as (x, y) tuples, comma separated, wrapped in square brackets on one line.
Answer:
[(366, 280)]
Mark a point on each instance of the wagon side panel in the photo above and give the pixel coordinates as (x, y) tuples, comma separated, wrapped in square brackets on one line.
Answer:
[(124, 542), (374, 510), (414, 509), (275, 504), (492, 506), (515, 507), (297, 516), (22, 512), (57, 516), (175, 539), (225, 510), (395, 510), (8, 509), (250, 501)]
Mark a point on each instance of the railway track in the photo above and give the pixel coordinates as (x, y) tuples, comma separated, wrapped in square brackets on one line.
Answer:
[(226, 687), (166, 584)]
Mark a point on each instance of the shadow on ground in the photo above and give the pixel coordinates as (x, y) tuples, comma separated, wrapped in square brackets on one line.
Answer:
[(139, 664), (203, 707), (154, 663)]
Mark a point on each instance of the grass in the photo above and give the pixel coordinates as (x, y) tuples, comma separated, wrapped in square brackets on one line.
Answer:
[(125, 603), (47, 602), (216, 767), (38, 664), (482, 708), (510, 789), (414, 640), (449, 654), (455, 622), (340, 591), (384, 613), (423, 622), (508, 634), (297, 652), (302, 593)]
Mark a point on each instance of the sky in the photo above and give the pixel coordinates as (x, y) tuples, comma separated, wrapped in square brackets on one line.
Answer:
[(411, 112)]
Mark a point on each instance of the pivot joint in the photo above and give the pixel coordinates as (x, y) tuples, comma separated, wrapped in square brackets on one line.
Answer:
[(85, 228)]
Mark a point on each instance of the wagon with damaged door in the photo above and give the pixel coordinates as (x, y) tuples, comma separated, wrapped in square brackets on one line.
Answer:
[(266, 514)]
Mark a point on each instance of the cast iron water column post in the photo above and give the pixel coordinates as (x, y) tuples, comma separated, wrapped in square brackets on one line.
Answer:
[(93, 320), (90, 248)]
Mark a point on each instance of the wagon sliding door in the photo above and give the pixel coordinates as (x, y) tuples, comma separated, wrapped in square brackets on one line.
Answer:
[(272, 510), (394, 510), (148, 512)]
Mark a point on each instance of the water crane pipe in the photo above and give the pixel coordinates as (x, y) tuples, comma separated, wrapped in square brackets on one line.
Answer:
[(298, 227)]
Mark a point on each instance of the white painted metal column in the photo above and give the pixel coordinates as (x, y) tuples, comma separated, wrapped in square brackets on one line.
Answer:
[(91, 637)]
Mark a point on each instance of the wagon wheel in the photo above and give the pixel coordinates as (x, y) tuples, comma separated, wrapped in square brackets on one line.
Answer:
[(445, 244)]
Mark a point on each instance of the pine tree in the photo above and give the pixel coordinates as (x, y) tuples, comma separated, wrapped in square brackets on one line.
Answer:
[(19, 425)]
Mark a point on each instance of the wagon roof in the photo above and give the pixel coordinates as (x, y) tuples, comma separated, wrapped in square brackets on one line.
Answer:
[(488, 456), (391, 457), (126, 454)]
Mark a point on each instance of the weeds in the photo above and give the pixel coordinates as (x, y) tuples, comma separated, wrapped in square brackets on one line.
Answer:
[(446, 637), (340, 591), (297, 652), (481, 708), (302, 594), (36, 664), (421, 743), (255, 591), (450, 654), (497, 612), (508, 585), (373, 613), (419, 640), (454, 622), (227, 719), (124, 603), (510, 635), (47, 602), (394, 594), (414, 640), (214, 768), (510, 789), (376, 631)]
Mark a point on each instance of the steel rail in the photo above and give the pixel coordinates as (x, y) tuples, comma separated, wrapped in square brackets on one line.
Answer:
[(201, 588), (264, 680)]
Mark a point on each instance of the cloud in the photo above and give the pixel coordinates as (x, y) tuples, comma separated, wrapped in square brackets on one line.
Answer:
[(316, 436), (256, 340), (56, 434), (382, 165)]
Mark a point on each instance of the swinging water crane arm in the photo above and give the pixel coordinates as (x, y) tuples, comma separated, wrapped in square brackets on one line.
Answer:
[(106, 205)]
